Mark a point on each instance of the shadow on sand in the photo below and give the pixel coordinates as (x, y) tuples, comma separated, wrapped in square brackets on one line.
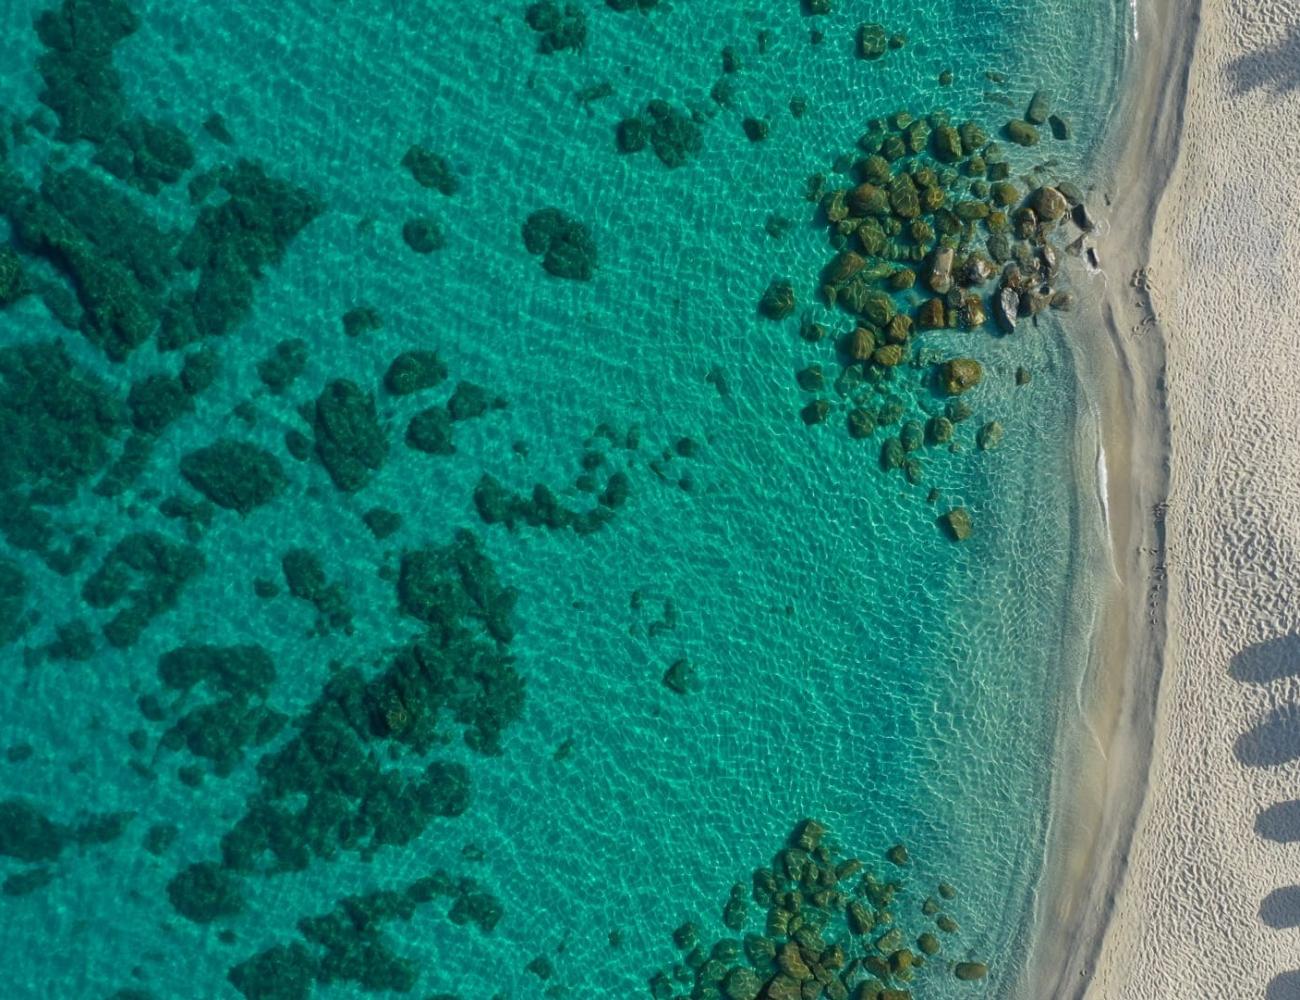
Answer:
[(1284, 987), (1271, 742), (1276, 68)]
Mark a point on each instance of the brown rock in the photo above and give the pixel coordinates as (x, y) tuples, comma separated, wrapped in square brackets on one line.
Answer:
[(931, 315)]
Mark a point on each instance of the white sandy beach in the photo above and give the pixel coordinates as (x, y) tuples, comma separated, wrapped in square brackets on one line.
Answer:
[(1205, 900)]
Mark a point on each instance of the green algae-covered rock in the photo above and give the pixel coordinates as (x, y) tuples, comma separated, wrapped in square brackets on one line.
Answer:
[(872, 41), (470, 400), (674, 137), (632, 135), (430, 431), (960, 374), (281, 368), (946, 144), (28, 834), (13, 279), (957, 523), (413, 371), (970, 971), (989, 436), (939, 430), (146, 573), (361, 319), (205, 892), (349, 440), (1021, 133), (777, 301), (382, 522), (423, 235), (281, 972), (558, 27), (13, 595), (564, 244), (862, 423), (1040, 106), (1005, 194), (57, 421), (146, 154), (815, 412), (431, 170), (244, 671), (155, 401), (234, 474), (81, 85), (890, 355)]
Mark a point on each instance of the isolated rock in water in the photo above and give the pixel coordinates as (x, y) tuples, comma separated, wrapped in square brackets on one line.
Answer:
[(957, 522), (778, 300), (564, 244), (204, 892), (989, 436), (969, 971), (960, 374), (429, 431), (430, 170), (872, 41), (422, 235), (412, 371), (1061, 129), (1040, 106), (632, 135), (234, 474), (681, 677), (1006, 309), (673, 135)]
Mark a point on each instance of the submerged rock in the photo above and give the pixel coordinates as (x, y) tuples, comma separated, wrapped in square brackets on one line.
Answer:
[(349, 440), (957, 523), (564, 244), (234, 475)]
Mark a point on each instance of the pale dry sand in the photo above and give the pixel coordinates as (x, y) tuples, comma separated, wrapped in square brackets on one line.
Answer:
[(1204, 898)]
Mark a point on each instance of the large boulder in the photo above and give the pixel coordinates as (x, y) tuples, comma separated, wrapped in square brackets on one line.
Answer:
[(960, 374), (1050, 204), (349, 440), (940, 279), (234, 474)]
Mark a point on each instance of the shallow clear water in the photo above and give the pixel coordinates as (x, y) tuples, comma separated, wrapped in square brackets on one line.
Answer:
[(853, 663)]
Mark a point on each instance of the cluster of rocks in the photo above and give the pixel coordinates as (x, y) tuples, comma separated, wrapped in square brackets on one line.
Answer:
[(558, 26), (564, 244), (239, 680), (355, 774), (306, 579), (934, 233), (145, 573), (29, 836), (542, 508), (236, 475), (674, 135), (348, 944), (825, 926)]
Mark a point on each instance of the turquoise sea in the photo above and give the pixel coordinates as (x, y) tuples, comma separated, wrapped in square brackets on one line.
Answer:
[(844, 658)]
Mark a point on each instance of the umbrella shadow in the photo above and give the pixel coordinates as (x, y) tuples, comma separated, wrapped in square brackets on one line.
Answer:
[(1284, 987), (1275, 68)]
